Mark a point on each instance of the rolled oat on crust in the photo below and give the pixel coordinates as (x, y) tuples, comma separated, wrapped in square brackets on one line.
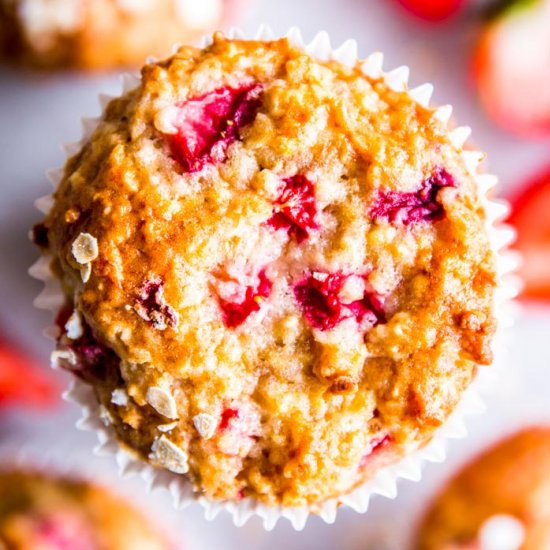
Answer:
[(291, 252)]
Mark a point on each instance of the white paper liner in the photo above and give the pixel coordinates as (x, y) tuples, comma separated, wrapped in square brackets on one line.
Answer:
[(385, 481)]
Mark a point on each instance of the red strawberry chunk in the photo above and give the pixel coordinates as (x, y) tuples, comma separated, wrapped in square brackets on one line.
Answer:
[(228, 415), (208, 124), (376, 446), (319, 295), (236, 312), (417, 206), (93, 360), (295, 209), (151, 305)]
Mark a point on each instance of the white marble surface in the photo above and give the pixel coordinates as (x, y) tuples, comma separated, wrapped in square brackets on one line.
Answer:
[(37, 113)]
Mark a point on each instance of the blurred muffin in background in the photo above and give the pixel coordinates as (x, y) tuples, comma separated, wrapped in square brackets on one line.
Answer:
[(103, 33), (500, 501), (38, 512)]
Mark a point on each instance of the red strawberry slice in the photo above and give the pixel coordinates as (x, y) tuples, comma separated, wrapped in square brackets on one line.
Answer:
[(377, 445), (248, 300), (208, 124), (295, 209), (511, 65), (320, 296), (417, 206), (432, 10), (531, 217), (22, 380)]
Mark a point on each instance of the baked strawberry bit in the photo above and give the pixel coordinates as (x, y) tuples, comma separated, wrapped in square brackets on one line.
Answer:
[(151, 305), (207, 125), (89, 359), (227, 418), (239, 301), (376, 446), (421, 205), (329, 298), (238, 430), (295, 209)]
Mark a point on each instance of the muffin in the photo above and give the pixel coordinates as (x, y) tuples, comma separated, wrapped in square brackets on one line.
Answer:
[(277, 271), (497, 502), (103, 33), (42, 512)]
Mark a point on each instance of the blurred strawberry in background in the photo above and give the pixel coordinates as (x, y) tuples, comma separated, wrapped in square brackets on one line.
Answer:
[(531, 217), (23, 381), (512, 66), (432, 10)]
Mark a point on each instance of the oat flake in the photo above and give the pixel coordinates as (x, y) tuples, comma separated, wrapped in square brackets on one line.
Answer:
[(169, 455), (59, 356), (84, 248), (162, 401), (205, 424), (73, 326), (119, 397)]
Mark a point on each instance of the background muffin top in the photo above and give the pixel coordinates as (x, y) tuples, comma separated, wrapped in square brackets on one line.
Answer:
[(283, 266), (44, 512), (511, 478), (103, 33)]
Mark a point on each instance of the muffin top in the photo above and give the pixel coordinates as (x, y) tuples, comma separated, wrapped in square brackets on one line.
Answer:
[(42, 512), (507, 486), (277, 269)]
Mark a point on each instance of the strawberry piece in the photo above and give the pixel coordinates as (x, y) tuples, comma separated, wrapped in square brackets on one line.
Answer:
[(236, 312), (530, 217), (432, 10), (510, 67), (151, 305), (93, 360), (417, 206), (377, 445), (295, 209), (227, 417), (319, 295), (22, 380), (208, 124)]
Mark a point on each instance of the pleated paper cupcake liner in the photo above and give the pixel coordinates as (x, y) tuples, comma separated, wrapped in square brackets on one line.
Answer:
[(410, 467)]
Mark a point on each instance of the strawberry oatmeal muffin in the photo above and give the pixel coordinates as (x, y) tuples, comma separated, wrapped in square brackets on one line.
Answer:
[(103, 33), (277, 270), (39, 512), (500, 501)]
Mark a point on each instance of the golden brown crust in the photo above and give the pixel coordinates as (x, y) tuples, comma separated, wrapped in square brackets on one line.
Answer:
[(313, 401), (36, 510), (512, 478)]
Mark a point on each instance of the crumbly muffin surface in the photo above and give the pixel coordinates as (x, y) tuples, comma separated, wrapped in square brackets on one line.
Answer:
[(279, 268), (512, 478), (47, 513), (103, 33)]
